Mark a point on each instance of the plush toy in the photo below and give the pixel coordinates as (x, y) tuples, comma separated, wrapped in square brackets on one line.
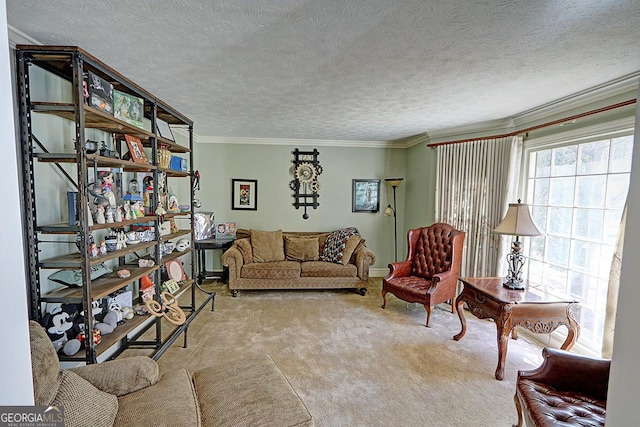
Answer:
[(59, 324)]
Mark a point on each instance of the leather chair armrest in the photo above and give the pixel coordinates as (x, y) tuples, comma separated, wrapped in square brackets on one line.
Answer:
[(121, 376), (399, 269), (571, 372)]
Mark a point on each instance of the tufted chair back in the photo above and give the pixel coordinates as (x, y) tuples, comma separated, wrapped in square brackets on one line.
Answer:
[(433, 250)]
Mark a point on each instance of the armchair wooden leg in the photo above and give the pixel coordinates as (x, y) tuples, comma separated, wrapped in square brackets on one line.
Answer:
[(384, 298), (428, 308), (518, 409)]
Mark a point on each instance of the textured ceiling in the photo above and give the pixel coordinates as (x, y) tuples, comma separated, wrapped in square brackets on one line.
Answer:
[(367, 70)]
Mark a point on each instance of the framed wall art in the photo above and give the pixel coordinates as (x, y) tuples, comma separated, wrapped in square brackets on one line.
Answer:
[(244, 194), (366, 195)]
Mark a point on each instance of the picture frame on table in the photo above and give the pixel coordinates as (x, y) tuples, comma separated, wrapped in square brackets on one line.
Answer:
[(136, 150), (244, 194), (366, 195)]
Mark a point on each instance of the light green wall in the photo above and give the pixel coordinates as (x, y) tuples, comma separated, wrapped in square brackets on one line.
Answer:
[(270, 164), (421, 187)]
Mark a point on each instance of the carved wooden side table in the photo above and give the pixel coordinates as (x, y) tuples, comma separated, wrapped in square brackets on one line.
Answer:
[(533, 308)]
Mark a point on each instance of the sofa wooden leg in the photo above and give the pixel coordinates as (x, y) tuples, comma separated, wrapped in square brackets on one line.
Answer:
[(234, 293), (362, 291)]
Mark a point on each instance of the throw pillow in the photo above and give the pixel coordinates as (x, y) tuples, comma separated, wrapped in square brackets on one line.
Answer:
[(355, 251), (84, 404), (301, 248), (244, 246), (73, 278), (349, 247), (333, 250), (267, 246)]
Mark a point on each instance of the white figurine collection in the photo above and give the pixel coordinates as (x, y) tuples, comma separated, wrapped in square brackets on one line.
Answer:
[(107, 211)]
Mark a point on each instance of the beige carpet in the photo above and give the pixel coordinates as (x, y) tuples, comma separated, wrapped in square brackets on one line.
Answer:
[(355, 364)]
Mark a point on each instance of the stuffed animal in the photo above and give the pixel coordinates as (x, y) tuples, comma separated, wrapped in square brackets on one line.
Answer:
[(59, 322)]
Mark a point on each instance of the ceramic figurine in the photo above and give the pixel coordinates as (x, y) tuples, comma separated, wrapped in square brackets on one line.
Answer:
[(127, 210), (100, 219), (108, 179), (118, 216), (109, 214)]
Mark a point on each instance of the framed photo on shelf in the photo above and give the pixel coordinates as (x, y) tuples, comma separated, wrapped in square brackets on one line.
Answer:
[(244, 194), (366, 195), (136, 150), (164, 130), (226, 230)]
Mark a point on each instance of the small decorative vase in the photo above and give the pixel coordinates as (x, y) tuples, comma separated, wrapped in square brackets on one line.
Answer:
[(164, 157)]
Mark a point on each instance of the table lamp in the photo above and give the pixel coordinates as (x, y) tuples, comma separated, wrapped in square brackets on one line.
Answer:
[(517, 222)]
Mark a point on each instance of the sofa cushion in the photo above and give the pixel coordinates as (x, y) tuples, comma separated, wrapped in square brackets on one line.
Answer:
[(248, 392), (244, 246), (349, 247), (327, 269), (271, 270), (267, 246), (45, 365), (355, 251), (333, 250), (84, 404), (301, 248), (171, 401)]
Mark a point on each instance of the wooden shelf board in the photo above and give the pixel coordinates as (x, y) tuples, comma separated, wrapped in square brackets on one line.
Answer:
[(174, 235), (100, 287), (74, 260)]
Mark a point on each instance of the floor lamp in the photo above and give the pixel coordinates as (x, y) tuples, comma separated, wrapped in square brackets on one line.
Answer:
[(394, 183)]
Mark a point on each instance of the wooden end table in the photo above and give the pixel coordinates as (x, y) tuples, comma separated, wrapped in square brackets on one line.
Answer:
[(533, 308)]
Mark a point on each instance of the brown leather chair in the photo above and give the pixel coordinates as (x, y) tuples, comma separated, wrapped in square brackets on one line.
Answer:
[(567, 389), (429, 275)]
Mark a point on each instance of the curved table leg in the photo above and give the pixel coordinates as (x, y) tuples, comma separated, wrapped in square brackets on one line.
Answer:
[(463, 322), (573, 327), (503, 325)]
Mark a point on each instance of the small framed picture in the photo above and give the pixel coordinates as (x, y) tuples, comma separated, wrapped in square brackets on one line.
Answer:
[(244, 194), (164, 130), (366, 195), (135, 149)]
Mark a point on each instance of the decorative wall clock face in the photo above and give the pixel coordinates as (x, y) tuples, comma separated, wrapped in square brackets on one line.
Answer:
[(305, 185)]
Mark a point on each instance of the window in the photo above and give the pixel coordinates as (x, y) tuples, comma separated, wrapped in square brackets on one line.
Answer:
[(577, 193)]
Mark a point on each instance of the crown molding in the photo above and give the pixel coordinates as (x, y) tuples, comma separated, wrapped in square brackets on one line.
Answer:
[(622, 85), (17, 37), (296, 142)]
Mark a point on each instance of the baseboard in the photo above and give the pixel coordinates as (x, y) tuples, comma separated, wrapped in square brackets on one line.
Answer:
[(378, 272)]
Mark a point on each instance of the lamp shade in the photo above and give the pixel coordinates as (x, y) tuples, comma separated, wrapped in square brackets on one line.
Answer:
[(518, 222), (394, 182)]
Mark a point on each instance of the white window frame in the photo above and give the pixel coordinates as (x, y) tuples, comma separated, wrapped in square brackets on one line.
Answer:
[(607, 130)]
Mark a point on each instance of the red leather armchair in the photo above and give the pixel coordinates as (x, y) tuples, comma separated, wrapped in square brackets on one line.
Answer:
[(567, 389), (429, 275)]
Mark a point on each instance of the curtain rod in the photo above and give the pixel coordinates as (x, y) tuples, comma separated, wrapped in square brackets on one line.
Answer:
[(540, 126)]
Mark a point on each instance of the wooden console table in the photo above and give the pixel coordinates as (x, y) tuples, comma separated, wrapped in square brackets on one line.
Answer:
[(532, 308)]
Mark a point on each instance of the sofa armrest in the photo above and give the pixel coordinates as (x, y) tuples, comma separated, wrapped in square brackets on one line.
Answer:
[(121, 376), (571, 372), (232, 259), (364, 259)]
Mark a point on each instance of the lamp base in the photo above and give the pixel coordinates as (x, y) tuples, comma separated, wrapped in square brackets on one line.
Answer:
[(513, 284)]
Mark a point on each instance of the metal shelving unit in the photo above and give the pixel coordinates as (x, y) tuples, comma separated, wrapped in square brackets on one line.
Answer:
[(71, 63)]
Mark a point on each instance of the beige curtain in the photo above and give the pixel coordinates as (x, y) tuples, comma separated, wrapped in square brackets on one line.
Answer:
[(475, 182), (612, 291)]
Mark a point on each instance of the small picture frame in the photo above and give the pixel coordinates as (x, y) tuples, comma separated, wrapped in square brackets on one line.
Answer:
[(366, 195), (164, 130), (226, 230), (244, 194), (136, 150)]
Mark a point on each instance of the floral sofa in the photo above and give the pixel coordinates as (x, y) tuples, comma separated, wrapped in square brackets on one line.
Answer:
[(298, 260)]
